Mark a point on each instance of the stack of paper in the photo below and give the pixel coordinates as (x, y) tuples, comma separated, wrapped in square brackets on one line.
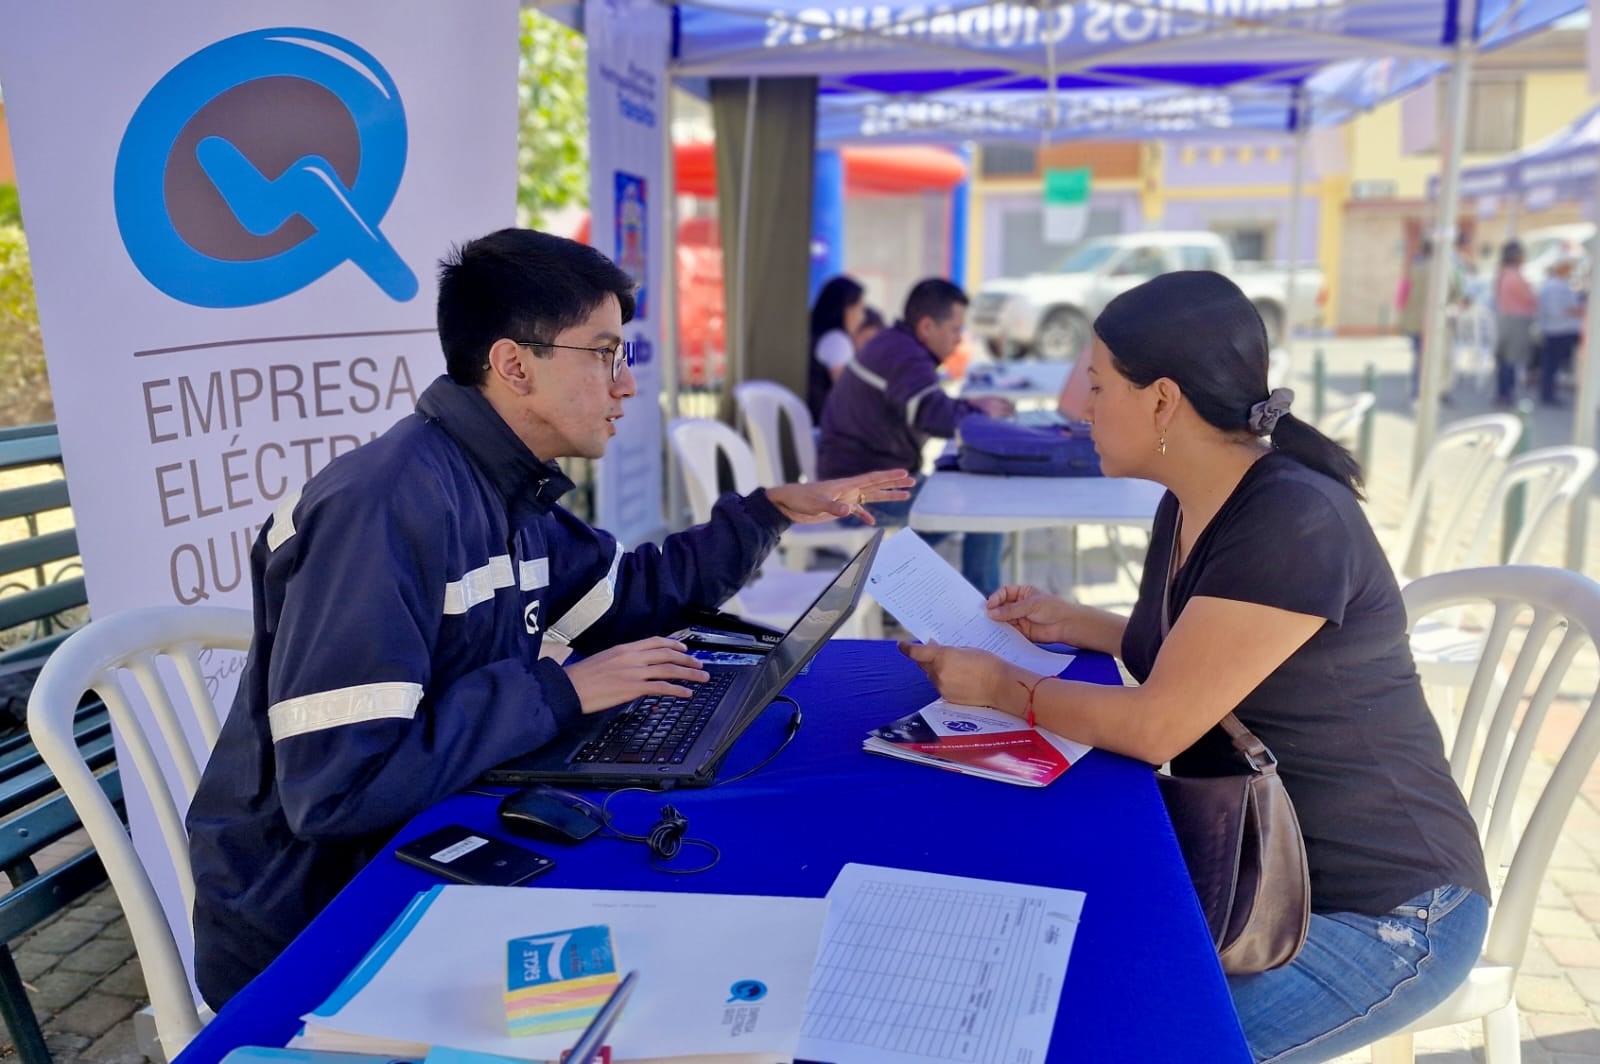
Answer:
[(718, 974)]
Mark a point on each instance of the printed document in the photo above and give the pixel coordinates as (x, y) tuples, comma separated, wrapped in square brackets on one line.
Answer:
[(922, 967), (937, 605), (718, 973)]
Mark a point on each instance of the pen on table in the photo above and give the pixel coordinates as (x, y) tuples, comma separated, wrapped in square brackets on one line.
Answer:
[(594, 1036)]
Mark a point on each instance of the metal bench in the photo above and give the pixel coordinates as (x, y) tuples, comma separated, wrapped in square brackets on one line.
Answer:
[(40, 583)]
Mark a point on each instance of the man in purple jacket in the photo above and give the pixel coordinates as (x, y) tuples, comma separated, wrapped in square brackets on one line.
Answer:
[(888, 402)]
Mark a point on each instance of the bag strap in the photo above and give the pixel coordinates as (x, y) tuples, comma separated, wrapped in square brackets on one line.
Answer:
[(1252, 749)]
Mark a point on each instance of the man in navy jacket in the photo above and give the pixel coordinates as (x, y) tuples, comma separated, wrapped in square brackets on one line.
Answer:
[(402, 597), (888, 402)]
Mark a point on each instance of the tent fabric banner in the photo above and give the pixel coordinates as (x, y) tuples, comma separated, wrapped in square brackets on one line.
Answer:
[(234, 254), (627, 131), (1560, 168), (909, 47)]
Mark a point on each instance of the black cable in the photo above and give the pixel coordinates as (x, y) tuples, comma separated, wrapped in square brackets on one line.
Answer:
[(667, 837)]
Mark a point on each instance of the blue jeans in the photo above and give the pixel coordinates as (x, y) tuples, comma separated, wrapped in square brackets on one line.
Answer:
[(980, 551), (1361, 978), (1554, 356)]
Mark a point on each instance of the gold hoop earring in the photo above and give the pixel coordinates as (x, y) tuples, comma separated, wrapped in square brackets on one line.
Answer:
[(1161, 444)]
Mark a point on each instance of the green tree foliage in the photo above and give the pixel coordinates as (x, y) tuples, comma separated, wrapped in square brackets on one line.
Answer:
[(24, 390), (10, 207), (553, 119)]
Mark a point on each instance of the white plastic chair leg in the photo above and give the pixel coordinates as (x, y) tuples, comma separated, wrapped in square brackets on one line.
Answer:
[(1502, 1036), (1396, 1049)]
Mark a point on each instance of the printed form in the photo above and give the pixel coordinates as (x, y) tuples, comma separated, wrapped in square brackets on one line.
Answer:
[(917, 967), (937, 605)]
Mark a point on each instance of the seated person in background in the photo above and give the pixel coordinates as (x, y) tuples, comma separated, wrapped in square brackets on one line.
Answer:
[(888, 402), (401, 599), (835, 317), (871, 325), (1284, 612)]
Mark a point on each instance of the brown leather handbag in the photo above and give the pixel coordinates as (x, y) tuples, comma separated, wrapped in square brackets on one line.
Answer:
[(1241, 842)]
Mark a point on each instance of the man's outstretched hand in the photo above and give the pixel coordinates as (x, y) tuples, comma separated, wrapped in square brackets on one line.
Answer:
[(809, 504)]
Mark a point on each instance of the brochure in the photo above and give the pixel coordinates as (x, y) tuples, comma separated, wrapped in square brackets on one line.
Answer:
[(978, 742)]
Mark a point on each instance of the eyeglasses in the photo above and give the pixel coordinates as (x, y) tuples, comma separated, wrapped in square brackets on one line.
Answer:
[(614, 354)]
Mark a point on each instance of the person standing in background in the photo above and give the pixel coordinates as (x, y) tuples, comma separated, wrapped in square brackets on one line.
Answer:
[(1560, 319), (835, 316), (1515, 308)]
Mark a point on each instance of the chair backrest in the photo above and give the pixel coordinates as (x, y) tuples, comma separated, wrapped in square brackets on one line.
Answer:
[(1494, 743), (1342, 423), (765, 407), (101, 656), (698, 441), (1464, 456), (1551, 479)]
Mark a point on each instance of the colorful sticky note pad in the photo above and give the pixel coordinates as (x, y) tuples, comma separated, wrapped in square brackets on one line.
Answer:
[(558, 981)]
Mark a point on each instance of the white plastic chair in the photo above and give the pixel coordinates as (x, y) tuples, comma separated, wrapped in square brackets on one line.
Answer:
[(1342, 423), (1552, 479), (763, 407), (99, 657), (1492, 752), (775, 597), (1464, 456)]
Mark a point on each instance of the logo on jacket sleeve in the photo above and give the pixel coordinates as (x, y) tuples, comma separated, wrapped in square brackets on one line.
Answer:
[(530, 617)]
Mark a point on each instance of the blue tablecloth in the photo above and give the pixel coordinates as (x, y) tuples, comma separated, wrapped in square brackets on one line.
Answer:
[(1143, 983)]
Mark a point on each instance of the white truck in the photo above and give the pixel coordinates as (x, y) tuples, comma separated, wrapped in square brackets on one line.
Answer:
[(1048, 314)]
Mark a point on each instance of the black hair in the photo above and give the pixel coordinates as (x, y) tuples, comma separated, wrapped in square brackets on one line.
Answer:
[(519, 284), (1196, 328), (871, 318), (933, 298), (833, 299), (1510, 251)]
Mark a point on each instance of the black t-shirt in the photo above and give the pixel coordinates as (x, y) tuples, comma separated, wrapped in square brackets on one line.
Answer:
[(1358, 751)]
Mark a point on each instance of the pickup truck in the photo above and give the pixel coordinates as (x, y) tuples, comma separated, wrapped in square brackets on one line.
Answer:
[(1048, 314)]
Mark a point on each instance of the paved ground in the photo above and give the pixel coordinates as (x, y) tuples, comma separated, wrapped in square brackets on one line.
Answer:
[(86, 984)]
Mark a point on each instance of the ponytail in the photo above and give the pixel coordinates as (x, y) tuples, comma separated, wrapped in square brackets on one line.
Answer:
[(1308, 446)]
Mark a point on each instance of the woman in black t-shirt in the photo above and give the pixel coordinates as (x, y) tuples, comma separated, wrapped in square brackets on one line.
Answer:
[(1283, 611)]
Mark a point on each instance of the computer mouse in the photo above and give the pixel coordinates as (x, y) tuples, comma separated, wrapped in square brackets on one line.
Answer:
[(549, 815)]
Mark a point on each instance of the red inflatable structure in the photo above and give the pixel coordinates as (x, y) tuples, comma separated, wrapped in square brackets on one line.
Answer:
[(867, 171)]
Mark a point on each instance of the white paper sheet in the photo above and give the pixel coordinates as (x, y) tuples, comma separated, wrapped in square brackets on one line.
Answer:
[(937, 605), (444, 984), (922, 967)]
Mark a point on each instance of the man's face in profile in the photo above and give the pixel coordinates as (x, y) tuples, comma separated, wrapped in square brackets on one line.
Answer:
[(574, 396), (943, 335)]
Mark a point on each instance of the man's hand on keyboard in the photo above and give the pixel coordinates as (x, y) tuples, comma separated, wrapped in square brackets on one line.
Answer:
[(654, 666)]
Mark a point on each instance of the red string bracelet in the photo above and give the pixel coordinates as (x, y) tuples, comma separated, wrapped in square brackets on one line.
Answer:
[(1029, 714)]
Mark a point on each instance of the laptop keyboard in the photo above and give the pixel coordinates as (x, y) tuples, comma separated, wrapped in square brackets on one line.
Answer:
[(657, 729)]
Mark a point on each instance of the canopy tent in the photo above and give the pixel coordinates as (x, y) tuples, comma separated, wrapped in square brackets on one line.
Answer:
[(1329, 98), (902, 47), (1560, 168)]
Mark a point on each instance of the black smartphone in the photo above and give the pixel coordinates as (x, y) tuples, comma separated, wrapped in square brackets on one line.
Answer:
[(468, 856)]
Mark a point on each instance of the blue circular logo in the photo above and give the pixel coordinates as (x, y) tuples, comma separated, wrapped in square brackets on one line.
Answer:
[(960, 725), (747, 990), (260, 163)]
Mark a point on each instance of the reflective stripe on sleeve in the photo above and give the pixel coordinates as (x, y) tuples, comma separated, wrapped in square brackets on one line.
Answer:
[(283, 520), (588, 609), (478, 585), (915, 401), (348, 705), (855, 366)]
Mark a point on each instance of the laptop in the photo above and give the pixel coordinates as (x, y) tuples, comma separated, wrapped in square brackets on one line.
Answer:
[(662, 741)]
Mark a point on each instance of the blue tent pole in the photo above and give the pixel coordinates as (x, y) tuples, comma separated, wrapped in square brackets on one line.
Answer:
[(960, 203), (1297, 120), (827, 218)]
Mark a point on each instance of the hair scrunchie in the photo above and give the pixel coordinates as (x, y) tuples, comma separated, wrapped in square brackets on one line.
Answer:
[(1265, 414)]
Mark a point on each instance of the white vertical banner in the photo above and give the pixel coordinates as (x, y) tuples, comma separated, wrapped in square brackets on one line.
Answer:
[(235, 212), (628, 42)]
